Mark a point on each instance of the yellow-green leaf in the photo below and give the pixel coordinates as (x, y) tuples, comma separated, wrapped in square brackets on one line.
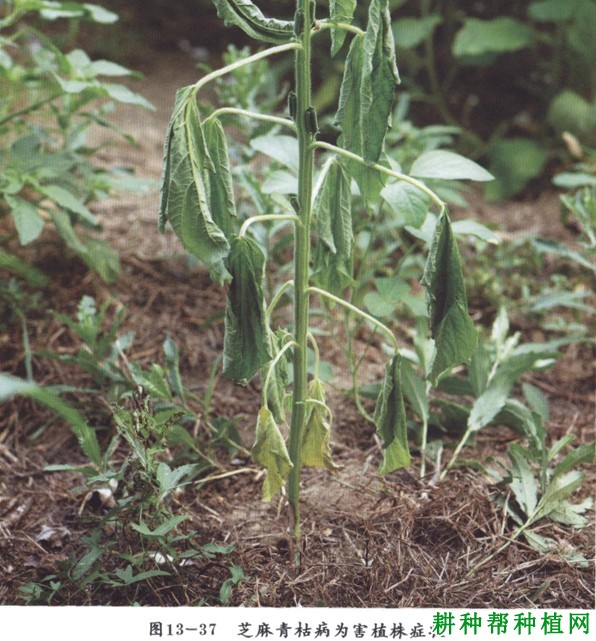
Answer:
[(316, 445), (270, 451)]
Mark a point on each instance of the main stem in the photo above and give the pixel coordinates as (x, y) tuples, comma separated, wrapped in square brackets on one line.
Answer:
[(301, 268)]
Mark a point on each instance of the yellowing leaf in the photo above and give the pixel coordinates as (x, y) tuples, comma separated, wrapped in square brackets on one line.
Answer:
[(316, 448), (270, 451)]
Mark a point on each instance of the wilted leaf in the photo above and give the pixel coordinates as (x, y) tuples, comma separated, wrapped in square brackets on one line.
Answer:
[(340, 11), (333, 210), (247, 16), (247, 341), (366, 97), (316, 447), (270, 451), (451, 325), (220, 193), (390, 419), (184, 199)]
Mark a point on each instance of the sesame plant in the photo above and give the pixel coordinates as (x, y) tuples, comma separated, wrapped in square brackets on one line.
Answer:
[(198, 199)]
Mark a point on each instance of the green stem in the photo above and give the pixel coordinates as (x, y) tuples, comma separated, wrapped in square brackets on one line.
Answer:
[(263, 218), (498, 551), (384, 170), (28, 109), (289, 46), (456, 452), (301, 269), (276, 120), (353, 308)]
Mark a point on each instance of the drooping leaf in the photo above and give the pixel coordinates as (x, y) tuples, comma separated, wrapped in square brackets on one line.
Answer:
[(340, 11), (380, 79), (448, 165), (390, 419), (333, 210), (247, 340), (27, 220), (184, 200), (316, 447), (220, 193), (11, 386), (415, 390), (366, 98), (247, 16), (270, 451), (451, 325), (276, 390)]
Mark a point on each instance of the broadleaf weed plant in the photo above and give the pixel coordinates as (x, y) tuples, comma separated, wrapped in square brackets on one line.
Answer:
[(198, 201)]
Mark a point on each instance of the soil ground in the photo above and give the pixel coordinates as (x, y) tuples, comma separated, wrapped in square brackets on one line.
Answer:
[(368, 542)]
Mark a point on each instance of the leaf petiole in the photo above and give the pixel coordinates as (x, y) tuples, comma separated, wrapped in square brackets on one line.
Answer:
[(289, 46), (264, 218), (385, 170), (356, 310), (284, 122)]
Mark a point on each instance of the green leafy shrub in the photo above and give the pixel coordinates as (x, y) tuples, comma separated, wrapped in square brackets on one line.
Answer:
[(470, 59), (47, 173)]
